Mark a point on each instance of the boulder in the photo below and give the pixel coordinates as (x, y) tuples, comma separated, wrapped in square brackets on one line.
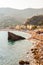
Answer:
[(21, 62), (24, 62), (14, 37)]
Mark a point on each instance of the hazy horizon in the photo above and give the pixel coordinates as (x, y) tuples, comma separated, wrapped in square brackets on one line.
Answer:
[(20, 9), (21, 4)]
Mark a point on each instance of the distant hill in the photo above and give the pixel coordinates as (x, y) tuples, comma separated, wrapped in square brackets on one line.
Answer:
[(9, 16), (35, 20)]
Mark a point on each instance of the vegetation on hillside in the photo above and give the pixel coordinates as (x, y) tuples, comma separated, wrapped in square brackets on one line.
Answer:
[(11, 17), (35, 20)]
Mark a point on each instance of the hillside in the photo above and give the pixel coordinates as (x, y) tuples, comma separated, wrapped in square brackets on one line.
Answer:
[(35, 20), (9, 16)]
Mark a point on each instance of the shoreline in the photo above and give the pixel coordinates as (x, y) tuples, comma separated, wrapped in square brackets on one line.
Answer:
[(33, 56), (37, 48)]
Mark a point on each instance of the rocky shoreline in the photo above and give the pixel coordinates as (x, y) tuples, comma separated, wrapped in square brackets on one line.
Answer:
[(36, 51), (35, 54), (38, 35)]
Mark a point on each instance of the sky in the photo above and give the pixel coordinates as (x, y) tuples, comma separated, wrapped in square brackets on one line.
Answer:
[(21, 4)]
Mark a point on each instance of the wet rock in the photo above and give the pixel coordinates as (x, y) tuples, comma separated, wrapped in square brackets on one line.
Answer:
[(27, 62), (27, 53), (32, 49), (21, 62), (14, 37), (24, 62)]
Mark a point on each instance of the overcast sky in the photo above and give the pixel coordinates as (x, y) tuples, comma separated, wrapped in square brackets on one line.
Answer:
[(21, 4)]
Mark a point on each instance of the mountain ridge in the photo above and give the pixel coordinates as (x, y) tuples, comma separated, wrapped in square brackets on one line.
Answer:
[(12, 16)]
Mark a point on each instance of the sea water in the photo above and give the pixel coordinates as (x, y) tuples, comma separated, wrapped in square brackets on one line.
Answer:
[(11, 51)]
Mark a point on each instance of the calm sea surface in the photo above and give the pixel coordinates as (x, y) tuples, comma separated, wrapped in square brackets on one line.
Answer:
[(11, 52)]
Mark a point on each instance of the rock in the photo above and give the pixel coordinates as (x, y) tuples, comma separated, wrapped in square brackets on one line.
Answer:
[(38, 35), (21, 62), (27, 62), (32, 49), (14, 37), (27, 53)]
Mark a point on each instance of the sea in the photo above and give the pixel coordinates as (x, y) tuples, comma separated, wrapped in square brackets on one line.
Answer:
[(11, 52)]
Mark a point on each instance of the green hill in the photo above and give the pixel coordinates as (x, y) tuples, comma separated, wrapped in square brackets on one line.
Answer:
[(35, 20), (9, 16)]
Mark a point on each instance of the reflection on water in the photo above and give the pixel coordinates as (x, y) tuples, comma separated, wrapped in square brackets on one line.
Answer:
[(11, 42), (10, 51)]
